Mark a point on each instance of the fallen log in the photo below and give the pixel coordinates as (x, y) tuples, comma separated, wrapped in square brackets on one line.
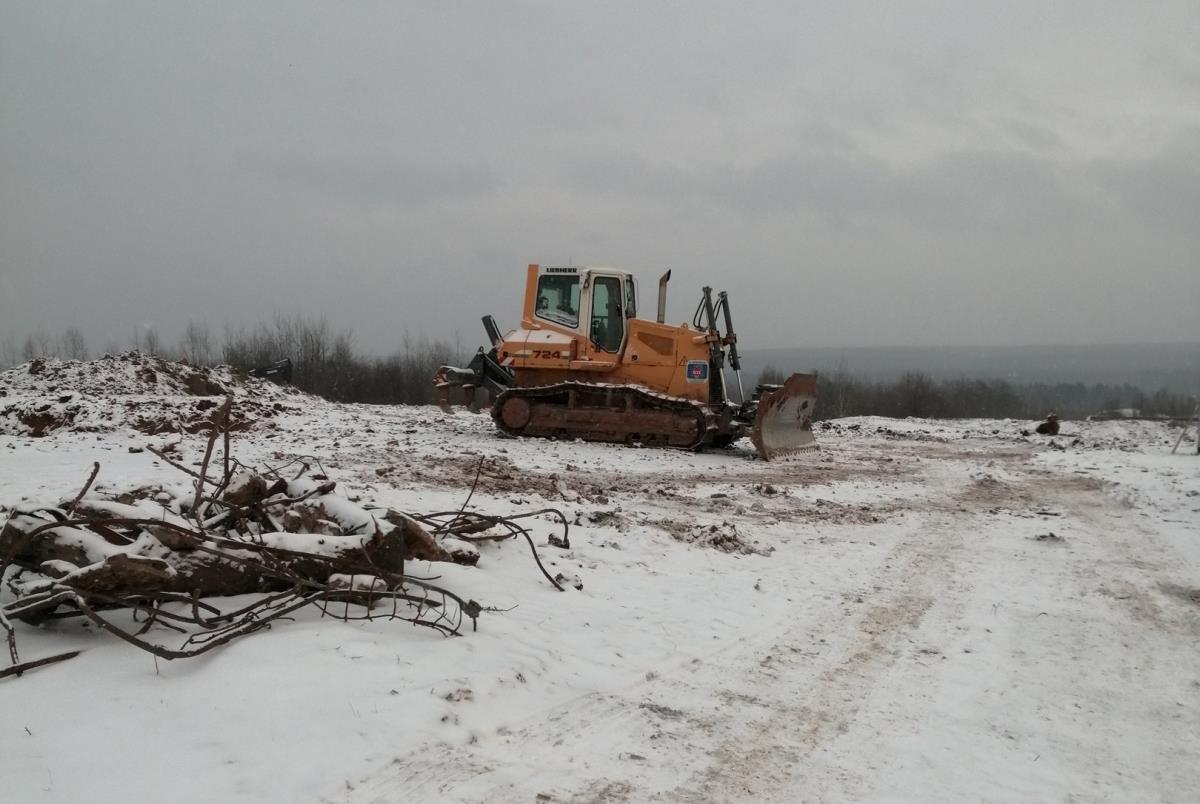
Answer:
[(192, 562)]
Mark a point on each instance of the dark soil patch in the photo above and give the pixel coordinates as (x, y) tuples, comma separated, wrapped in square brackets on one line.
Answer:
[(1182, 593)]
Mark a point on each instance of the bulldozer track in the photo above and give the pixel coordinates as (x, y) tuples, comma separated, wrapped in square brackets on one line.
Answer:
[(605, 412)]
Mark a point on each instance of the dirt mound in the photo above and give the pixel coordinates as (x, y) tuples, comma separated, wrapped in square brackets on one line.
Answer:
[(134, 390), (724, 537), (133, 374)]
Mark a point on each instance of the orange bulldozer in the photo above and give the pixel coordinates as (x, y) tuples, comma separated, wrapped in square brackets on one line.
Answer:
[(584, 365)]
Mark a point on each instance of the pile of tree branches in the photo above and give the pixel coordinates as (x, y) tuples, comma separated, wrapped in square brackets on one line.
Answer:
[(278, 535)]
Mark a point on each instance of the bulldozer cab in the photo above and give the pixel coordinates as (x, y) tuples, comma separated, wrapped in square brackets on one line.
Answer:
[(591, 302)]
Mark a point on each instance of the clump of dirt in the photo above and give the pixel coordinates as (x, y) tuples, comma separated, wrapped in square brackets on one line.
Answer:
[(1033, 494), (724, 537), (910, 435), (155, 492), (500, 476), (987, 490), (497, 474), (39, 420), (841, 514), (1182, 592), (612, 519), (197, 417)]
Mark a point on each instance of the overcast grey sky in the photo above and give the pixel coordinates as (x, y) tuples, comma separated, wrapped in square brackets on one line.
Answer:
[(855, 174)]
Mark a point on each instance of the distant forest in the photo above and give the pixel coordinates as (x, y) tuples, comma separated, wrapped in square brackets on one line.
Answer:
[(917, 394), (326, 363), (324, 360)]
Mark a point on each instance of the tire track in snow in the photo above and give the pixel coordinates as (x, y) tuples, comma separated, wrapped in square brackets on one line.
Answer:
[(776, 696), (758, 758)]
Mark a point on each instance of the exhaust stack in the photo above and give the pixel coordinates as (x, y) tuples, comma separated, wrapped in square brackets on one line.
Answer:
[(662, 297)]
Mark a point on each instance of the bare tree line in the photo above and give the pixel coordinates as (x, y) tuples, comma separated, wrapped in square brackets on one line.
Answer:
[(70, 344), (325, 362), (840, 394), (194, 346)]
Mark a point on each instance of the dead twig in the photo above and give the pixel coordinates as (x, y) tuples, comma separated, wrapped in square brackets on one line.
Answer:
[(18, 669), (473, 521), (84, 490), (470, 494), (223, 413), (10, 637), (163, 457), (225, 451)]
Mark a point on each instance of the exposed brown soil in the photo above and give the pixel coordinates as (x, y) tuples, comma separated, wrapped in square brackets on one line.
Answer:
[(146, 393)]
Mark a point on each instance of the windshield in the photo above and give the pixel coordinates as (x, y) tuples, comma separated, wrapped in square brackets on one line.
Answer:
[(558, 299)]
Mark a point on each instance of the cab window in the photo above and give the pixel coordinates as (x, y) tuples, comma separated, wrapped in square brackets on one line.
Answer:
[(558, 299)]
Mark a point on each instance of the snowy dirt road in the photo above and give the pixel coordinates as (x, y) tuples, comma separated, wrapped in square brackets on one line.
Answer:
[(920, 611), (966, 659)]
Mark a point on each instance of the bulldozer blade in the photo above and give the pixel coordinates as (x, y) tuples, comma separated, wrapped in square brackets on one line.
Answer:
[(783, 423)]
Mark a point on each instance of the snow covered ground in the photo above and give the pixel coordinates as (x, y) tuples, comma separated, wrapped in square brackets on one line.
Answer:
[(898, 627)]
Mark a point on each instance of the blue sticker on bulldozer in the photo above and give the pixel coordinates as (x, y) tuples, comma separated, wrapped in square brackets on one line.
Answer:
[(697, 371)]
